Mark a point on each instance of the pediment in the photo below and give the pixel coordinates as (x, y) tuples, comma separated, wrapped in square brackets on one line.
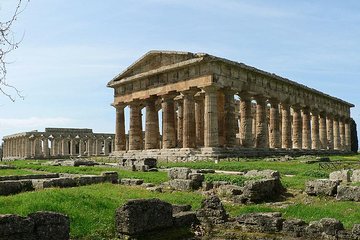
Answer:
[(154, 60)]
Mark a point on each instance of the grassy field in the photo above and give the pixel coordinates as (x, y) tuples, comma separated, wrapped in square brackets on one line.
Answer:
[(91, 208)]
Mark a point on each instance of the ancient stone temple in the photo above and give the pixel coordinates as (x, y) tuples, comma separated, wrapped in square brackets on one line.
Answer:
[(216, 107), (57, 143)]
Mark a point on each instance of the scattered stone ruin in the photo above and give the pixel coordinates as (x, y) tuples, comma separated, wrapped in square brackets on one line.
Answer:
[(139, 218), (56, 143), (198, 95), (338, 185), (36, 226), (143, 164)]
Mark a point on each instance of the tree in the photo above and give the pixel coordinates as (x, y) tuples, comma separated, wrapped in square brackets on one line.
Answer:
[(354, 137), (8, 43)]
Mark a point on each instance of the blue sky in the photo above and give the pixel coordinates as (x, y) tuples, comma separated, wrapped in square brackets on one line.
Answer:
[(71, 49)]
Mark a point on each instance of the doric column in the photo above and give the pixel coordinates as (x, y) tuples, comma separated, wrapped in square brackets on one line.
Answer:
[(286, 126), (189, 132), (97, 149), (37, 147), (323, 131), (120, 137), (199, 119), (230, 124), (330, 131), (246, 121), (274, 124), (168, 122), (53, 147), (65, 147), (27, 148), (211, 132), (337, 143), (342, 133), (45, 147), (90, 146), (297, 127), (135, 132), (152, 125), (106, 147), (347, 135), (221, 117), (261, 123), (315, 130), (72, 147), (306, 129), (180, 119), (81, 147)]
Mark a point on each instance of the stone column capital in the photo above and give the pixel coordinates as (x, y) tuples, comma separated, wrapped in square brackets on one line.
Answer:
[(260, 99), (190, 92), (210, 88), (170, 96), (245, 95), (274, 101), (119, 106), (315, 112)]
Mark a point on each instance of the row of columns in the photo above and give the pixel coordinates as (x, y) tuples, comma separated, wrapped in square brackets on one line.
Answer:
[(33, 147), (206, 118)]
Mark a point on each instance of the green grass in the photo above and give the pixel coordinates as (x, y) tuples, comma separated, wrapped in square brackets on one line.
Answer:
[(8, 172), (91, 208), (151, 177)]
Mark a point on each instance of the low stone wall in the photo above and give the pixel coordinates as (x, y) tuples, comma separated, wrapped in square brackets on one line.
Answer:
[(36, 226), (17, 186), (32, 176)]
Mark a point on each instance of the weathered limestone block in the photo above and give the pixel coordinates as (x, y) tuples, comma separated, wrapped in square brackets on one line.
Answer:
[(90, 179), (84, 162), (37, 226), (294, 227), (180, 208), (14, 227), (348, 193), (50, 225), (212, 211), (264, 174), (355, 176), (179, 173), (183, 184), (326, 226), (321, 187), (131, 181), (110, 176), (204, 171), (155, 189), (229, 190), (261, 222), (356, 230), (184, 219), (342, 176), (260, 190), (217, 184), (197, 179), (139, 216), (207, 186), (60, 182), (14, 187)]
